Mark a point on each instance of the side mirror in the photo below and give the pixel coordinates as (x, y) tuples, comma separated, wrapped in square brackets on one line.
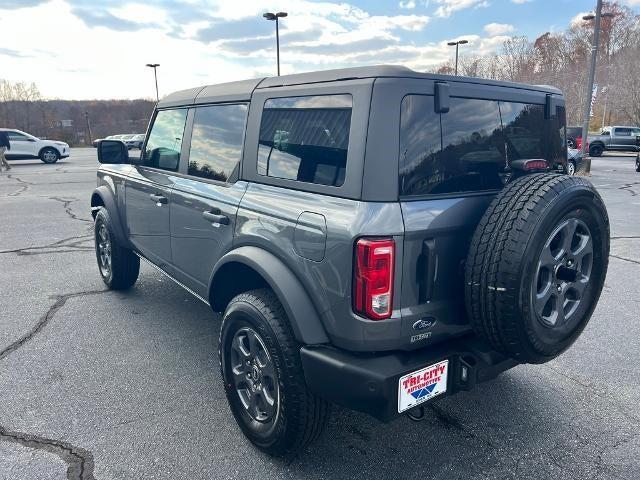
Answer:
[(442, 98), (112, 151)]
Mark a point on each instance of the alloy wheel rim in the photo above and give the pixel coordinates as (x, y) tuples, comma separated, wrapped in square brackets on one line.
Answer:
[(254, 375), (570, 168), (104, 250), (563, 273), (49, 156)]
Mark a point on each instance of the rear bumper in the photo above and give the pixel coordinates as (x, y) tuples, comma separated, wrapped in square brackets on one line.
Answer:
[(369, 382)]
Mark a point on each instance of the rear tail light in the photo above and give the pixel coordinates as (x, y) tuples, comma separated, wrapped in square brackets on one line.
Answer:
[(579, 143), (373, 278)]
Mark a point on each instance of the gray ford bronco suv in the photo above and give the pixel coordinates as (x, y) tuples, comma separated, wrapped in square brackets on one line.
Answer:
[(373, 237)]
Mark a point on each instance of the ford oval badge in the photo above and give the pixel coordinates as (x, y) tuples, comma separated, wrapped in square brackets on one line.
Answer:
[(426, 322)]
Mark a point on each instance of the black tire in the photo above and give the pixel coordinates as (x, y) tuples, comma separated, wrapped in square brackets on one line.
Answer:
[(298, 416), (637, 164), (49, 155), (123, 266), (508, 280), (596, 150), (571, 168)]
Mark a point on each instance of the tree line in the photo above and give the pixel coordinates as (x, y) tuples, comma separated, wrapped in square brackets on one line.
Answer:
[(558, 59), (563, 59), (23, 107)]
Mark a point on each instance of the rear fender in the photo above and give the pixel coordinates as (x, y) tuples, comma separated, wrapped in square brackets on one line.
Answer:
[(303, 317)]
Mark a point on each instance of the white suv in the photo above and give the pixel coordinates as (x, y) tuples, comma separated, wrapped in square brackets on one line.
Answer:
[(25, 146)]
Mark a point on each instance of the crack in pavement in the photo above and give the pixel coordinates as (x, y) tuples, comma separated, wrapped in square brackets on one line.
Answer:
[(625, 259), (44, 319), (66, 205), (61, 246), (24, 186), (79, 461), (627, 187)]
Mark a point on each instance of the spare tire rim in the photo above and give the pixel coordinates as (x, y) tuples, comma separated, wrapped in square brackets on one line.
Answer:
[(563, 274), (254, 375)]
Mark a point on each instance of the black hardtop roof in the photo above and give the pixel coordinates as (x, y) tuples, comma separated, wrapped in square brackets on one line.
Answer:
[(242, 90)]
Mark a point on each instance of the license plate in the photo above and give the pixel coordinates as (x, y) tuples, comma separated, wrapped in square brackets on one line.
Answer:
[(422, 385)]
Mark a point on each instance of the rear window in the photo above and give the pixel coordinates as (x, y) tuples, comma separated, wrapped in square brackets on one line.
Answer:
[(468, 148), (305, 138), (574, 131)]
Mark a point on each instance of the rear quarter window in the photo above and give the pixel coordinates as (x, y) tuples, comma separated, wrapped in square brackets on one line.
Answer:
[(305, 138)]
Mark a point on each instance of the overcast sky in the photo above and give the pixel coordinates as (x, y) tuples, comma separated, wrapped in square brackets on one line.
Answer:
[(82, 49)]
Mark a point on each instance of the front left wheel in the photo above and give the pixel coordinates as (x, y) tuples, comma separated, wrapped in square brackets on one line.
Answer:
[(119, 267), (263, 377)]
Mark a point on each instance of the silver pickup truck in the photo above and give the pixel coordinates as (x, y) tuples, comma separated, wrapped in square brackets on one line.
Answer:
[(616, 138)]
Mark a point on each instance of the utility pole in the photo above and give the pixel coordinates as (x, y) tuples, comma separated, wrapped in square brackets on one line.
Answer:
[(592, 73), (86, 116)]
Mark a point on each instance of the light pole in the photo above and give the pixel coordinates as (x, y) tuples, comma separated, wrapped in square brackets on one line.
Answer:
[(592, 73), (155, 74), (276, 16), (457, 44)]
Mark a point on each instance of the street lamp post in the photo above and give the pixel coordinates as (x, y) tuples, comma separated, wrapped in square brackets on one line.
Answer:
[(592, 73), (155, 74), (457, 44), (276, 16)]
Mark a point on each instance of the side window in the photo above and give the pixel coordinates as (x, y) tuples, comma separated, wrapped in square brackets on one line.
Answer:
[(622, 132), (528, 134), (165, 140), (305, 138), (460, 151), (16, 137), (216, 141)]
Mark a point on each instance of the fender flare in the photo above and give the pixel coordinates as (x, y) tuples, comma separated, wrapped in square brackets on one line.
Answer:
[(303, 317), (108, 200)]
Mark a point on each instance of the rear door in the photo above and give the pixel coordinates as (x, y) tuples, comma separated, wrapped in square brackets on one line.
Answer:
[(622, 139), (205, 201), (22, 146), (149, 186), (451, 165)]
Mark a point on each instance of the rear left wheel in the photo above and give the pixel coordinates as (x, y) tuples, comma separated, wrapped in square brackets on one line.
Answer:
[(571, 168), (263, 377)]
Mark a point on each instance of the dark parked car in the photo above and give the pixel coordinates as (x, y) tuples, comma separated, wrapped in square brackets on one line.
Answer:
[(574, 137), (373, 237)]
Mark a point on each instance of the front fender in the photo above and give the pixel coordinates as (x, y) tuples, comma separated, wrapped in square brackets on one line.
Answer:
[(303, 317), (108, 201)]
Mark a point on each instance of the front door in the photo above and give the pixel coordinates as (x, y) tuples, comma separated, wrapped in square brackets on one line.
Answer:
[(204, 204), (149, 187)]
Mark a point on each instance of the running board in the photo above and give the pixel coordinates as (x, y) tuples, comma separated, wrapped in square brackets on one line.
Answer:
[(171, 278)]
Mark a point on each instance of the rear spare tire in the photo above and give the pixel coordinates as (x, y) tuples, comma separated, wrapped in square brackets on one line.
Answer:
[(536, 265)]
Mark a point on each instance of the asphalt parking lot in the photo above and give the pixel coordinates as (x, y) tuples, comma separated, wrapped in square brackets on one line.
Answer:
[(111, 385)]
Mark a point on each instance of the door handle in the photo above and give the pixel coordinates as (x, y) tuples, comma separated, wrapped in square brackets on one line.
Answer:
[(161, 199), (427, 270), (215, 218)]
